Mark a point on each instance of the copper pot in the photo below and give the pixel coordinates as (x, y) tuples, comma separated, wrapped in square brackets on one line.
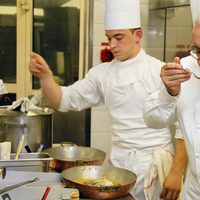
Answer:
[(114, 174), (67, 156)]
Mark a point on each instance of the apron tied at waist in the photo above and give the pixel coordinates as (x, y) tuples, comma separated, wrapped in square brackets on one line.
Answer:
[(129, 158)]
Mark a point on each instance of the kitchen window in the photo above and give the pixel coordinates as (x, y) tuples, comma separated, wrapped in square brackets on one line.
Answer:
[(56, 29)]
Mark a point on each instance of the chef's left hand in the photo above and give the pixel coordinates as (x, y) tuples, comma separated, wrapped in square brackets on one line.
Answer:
[(171, 186)]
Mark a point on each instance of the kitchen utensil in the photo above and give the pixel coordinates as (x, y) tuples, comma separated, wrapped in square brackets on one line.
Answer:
[(114, 174), (46, 192), (19, 147), (27, 149), (6, 196), (71, 155), (3, 172), (6, 189), (40, 148), (37, 128)]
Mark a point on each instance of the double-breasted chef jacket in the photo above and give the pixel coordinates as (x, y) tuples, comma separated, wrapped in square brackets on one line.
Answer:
[(162, 109)]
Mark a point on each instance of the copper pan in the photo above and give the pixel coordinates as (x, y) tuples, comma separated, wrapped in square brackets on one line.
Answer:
[(67, 156), (126, 177)]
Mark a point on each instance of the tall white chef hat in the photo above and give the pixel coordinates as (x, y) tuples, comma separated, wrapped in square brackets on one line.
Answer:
[(195, 9), (121, 14)]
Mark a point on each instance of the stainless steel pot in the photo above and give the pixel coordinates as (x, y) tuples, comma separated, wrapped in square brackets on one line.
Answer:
[(114, 174), (37, 128), (70, 155)]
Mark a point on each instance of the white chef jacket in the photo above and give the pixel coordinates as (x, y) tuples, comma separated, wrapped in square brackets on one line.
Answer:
[(122, 87), (3, 89), (161, 109)]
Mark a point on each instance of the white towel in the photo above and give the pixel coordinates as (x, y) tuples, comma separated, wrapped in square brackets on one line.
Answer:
[(156, 174), (25, 103), (3, 89)]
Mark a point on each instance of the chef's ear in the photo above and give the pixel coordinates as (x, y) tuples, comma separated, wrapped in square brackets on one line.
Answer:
[(138, 34)]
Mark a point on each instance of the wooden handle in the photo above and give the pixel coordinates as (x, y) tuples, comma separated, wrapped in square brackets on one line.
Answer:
[(19, 147)]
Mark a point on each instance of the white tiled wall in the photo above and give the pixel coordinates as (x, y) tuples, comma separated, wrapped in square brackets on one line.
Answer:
[(100, 121)]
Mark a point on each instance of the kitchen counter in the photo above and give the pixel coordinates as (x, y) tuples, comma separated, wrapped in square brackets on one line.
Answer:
[(35, 190)]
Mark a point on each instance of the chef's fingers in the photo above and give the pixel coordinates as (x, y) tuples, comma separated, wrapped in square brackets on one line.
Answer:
[(166, 194), (34, 68), (36, 57), (177, 60), (169, 195), (176, 65), (163, 193), (175, 195)]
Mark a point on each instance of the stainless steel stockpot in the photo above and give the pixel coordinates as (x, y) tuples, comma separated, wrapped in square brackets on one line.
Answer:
[(37, 128)]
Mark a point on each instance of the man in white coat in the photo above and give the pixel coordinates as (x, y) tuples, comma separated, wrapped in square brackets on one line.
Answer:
[(122, 86), (179, 101)]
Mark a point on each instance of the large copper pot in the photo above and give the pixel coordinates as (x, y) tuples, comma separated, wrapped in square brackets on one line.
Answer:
[(114, 174), (67, 156)]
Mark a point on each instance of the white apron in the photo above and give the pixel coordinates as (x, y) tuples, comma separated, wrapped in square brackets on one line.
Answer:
[(120, 100)]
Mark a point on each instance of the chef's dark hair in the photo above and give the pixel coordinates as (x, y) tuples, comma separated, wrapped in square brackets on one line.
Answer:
[(134, 29)]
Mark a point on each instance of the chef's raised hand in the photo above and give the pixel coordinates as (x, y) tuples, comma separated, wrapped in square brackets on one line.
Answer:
[(38, 66), (172, 75)]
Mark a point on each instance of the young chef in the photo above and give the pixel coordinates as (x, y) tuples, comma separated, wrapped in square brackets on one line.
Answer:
[(122, 86), (3, 89), (179, 101)]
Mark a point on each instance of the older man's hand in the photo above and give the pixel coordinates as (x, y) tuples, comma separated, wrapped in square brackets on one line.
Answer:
[(172, 75)]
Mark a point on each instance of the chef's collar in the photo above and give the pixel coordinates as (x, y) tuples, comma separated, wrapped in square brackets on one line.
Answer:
[(137, 58)]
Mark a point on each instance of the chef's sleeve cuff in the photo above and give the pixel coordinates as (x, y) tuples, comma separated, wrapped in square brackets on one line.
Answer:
[(166, 98)]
